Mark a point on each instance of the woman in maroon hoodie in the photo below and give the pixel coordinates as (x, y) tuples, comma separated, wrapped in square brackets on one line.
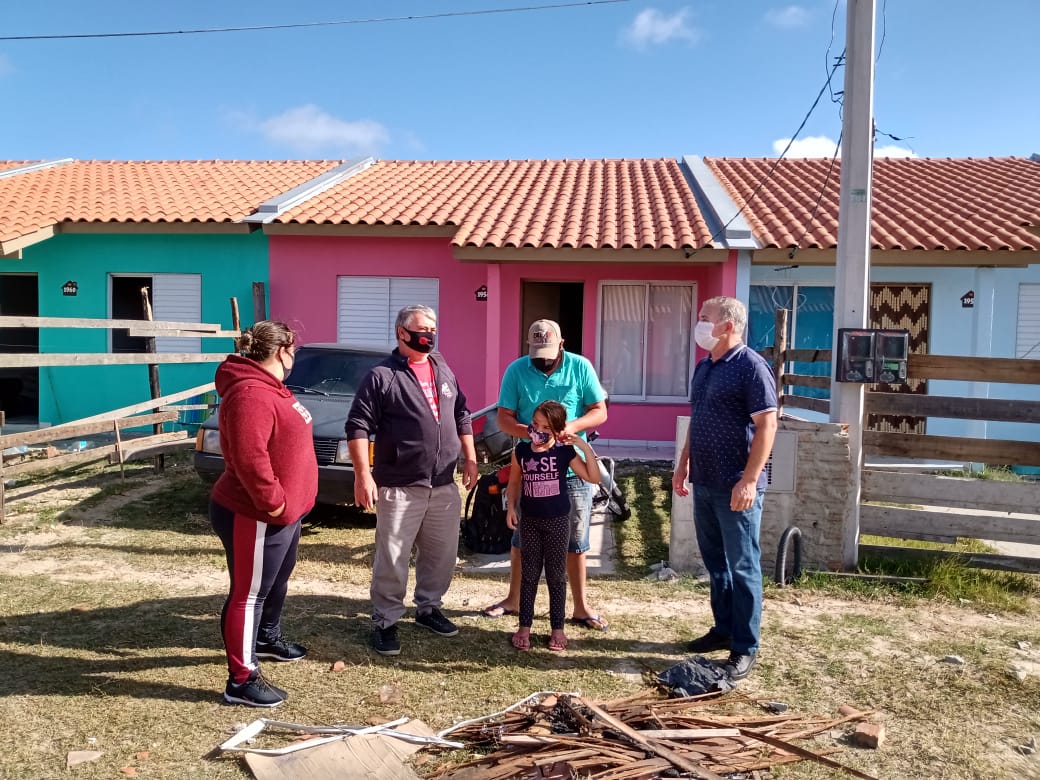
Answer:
[(269, 483)]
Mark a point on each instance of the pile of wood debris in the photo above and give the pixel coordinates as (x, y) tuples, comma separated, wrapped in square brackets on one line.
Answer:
[(560, 736)]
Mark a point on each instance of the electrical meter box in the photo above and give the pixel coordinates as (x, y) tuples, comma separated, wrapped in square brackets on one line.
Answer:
[(892, 349), (872, 355), (855, 361)]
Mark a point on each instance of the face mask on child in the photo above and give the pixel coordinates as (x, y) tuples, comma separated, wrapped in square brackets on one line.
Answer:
[(541, 438)]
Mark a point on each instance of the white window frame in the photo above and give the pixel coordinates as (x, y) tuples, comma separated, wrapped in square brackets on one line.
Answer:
[(384, 297), (1027, 321), (647, 285)]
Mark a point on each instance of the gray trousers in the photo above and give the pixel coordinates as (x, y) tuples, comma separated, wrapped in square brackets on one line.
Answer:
[(427, 518)]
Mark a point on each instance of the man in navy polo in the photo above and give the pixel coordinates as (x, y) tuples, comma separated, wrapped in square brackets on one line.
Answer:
[(733, 419)]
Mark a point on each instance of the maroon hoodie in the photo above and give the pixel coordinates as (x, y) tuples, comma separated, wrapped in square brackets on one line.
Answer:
[(267, 442)]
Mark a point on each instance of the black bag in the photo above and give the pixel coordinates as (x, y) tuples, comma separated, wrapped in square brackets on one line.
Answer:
[(484, 528), (695, 676)]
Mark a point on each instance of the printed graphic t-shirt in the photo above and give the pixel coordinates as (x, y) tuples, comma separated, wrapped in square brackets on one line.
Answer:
[(544, 479), (424, 373)]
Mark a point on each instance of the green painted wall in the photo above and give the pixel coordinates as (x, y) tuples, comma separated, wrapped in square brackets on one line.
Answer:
[(229, 265)]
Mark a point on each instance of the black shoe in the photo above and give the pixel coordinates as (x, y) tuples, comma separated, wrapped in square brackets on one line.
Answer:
[(280, 650), (385, 640), (254, 692), (437, 623), (738, 665), (709, 643)]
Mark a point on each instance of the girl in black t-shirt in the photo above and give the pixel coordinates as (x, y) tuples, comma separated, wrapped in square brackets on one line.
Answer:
[(538, 483)]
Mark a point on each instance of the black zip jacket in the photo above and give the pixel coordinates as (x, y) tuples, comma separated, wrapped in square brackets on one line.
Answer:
[(411, 447)]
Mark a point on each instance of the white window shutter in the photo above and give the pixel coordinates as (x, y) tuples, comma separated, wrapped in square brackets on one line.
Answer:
[(361, 304), (1027, 342), (367, 306), (177, 298)]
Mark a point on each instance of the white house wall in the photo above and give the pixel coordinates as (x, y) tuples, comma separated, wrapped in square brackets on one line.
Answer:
[(986, 330)]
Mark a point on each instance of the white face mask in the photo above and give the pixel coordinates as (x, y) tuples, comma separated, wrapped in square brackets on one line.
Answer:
[(702, 335)]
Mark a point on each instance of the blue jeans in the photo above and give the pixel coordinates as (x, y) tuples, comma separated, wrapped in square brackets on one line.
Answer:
[(728, 543)]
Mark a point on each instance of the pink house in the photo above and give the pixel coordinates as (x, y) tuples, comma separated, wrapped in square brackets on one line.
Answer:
[(617, 251)]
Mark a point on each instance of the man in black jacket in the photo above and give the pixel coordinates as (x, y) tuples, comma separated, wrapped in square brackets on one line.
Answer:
[(412, 405)]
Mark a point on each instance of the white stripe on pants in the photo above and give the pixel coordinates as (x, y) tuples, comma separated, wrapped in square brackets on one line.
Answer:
[(429, 519)]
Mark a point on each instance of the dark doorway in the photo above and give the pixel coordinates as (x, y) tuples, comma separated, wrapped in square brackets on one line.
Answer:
[(562, 302), (20, 387), (127, 305)]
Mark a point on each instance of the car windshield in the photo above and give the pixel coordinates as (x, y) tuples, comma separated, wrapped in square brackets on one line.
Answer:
[(331, 371)]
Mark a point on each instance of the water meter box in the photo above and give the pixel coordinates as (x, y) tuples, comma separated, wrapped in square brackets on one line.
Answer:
[(856, 351)]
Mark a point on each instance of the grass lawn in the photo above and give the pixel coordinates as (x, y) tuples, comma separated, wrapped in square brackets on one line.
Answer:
[(110, 594)]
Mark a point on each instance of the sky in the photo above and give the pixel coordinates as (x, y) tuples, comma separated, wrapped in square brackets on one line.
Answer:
[(625, 79)]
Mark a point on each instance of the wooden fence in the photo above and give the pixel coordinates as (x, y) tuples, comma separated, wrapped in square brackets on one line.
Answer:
[(16, 459), (929, 506)]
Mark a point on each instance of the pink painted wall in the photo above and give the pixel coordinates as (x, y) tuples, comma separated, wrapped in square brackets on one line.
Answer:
[(478, 339)]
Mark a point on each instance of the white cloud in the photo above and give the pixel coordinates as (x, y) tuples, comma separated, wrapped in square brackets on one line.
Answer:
[(653, 28), (310, 130), (892, 151), (822, 146), (6, 66), (789, 17), (813, 146)]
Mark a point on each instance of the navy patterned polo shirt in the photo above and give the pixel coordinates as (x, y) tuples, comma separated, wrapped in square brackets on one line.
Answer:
[(724, 395)]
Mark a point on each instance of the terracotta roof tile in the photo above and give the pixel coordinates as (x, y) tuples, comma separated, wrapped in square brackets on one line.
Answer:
[(978, 204), (918, 203), (522, 203), (169, 191), (10, 165)]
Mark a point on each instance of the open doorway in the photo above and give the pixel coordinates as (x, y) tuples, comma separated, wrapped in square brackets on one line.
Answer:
[(20, 387), (562, 302)]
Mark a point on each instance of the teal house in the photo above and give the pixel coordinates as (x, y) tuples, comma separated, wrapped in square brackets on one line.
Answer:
[(81, 239)]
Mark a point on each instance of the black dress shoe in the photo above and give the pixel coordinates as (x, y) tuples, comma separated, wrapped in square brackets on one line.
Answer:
[(709, 643), (738, 666)]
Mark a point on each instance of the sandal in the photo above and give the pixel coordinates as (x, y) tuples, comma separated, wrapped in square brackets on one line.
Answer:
[(497, 611), (557, 643), (522, 641), (591, 622)]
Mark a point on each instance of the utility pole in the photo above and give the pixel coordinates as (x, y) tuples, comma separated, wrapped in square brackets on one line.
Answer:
[(852, 267)]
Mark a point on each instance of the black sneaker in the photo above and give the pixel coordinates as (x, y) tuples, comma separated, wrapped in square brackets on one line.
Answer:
[(280, 650), (709, 643), (385, 640), (254, 692), (739, 665), (437, 623)]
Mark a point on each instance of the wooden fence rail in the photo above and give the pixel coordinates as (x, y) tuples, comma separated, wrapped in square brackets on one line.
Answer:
[(931, 507)]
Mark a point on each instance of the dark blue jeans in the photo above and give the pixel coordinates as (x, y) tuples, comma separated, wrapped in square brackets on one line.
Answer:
[(728, 543)]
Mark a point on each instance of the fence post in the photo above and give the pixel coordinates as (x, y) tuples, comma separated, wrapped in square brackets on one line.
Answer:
[(779, 355), (119, 450), (153, 373), (683, 553), (3, 507), (236, 323), (259, 302)]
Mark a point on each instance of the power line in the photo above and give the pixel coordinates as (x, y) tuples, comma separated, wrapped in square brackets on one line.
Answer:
[(838, 62), (253, 28)]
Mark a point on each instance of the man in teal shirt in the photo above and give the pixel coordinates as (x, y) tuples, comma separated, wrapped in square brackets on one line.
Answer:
[(549, 373)]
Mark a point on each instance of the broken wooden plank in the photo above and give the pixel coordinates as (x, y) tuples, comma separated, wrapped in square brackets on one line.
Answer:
[(677, 760)]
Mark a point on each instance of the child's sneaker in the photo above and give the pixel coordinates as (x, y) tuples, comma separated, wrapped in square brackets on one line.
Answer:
[(254, 692)]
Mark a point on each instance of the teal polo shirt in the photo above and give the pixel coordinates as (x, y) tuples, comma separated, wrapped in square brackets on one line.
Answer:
[(574, 384)]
